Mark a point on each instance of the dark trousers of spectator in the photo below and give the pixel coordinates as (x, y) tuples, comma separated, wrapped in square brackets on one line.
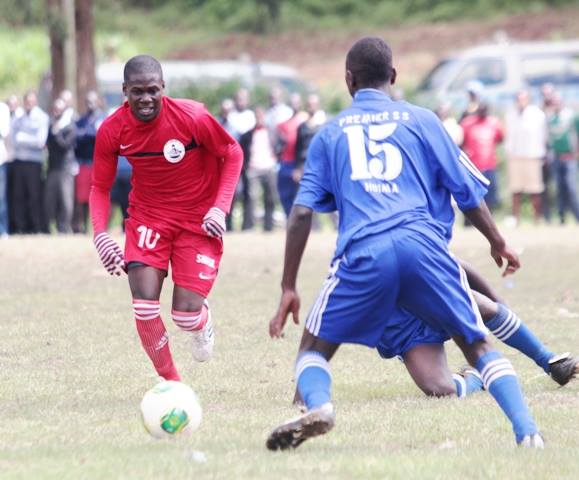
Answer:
[(3, 200), (266, 180), (286, 186), (27, 196), (241, 195), (120, 195), (59, 199), (492, 197), (567, 188), (549, 175)]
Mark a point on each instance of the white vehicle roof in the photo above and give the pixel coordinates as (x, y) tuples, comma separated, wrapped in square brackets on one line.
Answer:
[(176, 71), (524, 48)]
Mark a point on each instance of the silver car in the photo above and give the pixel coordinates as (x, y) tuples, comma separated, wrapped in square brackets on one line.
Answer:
[(503, 69)]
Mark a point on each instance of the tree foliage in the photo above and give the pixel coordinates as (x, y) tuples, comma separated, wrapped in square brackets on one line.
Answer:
[(262, 16)]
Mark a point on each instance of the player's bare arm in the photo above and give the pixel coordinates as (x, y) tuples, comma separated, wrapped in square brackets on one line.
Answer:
[(479, 284), (298, 231), (483, 221)]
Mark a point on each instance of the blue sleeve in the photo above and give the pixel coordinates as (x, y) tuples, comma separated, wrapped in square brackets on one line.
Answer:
[(454, 170), (315, 187)]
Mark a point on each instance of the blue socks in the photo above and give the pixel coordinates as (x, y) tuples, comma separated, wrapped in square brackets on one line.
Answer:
[(508, 328), (501, 382), (314, 379), (468, 384)]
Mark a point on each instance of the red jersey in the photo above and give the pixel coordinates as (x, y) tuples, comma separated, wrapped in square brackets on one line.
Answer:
[(288, 131), (481, 137), (183, 163)]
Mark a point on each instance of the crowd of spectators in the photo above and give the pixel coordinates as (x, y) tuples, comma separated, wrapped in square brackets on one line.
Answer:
[(274, 139), (46, 164), (46, 159), (540, 149)]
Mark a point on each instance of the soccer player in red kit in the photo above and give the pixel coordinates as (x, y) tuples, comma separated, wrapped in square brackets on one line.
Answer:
[(185, 169)]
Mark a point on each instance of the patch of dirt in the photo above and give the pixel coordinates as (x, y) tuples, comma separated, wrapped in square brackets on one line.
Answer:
[(319, 56)]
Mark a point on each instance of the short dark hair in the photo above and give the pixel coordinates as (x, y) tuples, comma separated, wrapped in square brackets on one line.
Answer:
[(142, 64), (370, 61)]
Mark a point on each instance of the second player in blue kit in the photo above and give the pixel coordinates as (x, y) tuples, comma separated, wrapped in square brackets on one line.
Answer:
[(385, 166)]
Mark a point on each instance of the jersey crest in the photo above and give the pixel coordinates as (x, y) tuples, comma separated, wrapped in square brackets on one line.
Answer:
[(174, 151)]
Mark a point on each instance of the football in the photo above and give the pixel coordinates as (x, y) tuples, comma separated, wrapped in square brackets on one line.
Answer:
[(170, 409)]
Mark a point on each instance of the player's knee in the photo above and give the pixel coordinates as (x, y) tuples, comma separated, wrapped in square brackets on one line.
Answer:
[(188, 306)]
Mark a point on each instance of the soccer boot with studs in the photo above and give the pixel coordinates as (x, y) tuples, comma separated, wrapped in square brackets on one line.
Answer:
[(293, 433), (563, 368)]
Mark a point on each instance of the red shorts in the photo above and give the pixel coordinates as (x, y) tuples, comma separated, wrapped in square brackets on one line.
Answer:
[(194, 258), (83, 179)]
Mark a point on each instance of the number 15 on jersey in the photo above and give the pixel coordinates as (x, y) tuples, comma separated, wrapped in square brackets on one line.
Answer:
[(385, 162)]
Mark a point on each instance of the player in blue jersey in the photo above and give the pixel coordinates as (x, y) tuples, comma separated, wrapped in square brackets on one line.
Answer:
[(382, 164)]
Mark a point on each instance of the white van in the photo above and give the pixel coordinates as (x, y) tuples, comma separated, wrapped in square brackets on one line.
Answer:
[(503, 68), (178, 75)]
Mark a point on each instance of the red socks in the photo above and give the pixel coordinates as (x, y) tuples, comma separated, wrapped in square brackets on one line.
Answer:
[(190, 321), (154, 337)]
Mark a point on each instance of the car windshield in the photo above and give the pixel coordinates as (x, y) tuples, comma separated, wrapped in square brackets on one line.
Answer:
[(437, 75)]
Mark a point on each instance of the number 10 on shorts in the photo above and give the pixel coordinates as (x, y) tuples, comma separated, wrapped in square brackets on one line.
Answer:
[(147, 237)]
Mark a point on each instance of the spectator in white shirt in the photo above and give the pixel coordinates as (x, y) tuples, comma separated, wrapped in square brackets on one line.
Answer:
[(525, 147), (29, 133)]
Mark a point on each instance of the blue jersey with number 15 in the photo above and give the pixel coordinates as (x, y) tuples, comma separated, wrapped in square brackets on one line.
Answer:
[(383, 164)]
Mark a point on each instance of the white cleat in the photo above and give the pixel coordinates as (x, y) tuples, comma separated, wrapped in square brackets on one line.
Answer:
[(202, 340), (532, 441)]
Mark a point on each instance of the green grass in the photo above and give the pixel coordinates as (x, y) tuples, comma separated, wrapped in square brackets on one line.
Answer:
[(73, 374)]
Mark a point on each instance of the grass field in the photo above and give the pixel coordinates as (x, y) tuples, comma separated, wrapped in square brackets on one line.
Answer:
[(72, 374)]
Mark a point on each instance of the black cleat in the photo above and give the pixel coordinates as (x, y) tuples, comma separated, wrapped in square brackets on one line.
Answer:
[(563, 368), (293, 433)]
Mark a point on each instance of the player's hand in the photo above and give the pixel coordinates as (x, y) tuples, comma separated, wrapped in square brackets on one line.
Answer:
[(297, 174), (289, 303), (505, 252), (214, 222), (110, 253)]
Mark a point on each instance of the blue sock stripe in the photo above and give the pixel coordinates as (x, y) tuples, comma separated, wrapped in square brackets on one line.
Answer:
[(492, 364), (497, 370), (500, 322), (501, 382), (460, 385), (514, 327), (311, 359), (508, 327)]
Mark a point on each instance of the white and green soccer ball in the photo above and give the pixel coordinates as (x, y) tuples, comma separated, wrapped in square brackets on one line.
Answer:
[(170, 409)]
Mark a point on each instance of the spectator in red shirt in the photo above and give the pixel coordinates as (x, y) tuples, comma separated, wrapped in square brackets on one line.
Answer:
[(287, 134), (482, 134)]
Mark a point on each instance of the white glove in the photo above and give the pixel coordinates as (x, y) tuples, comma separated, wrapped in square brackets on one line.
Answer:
[(110, 253), (214, 222)]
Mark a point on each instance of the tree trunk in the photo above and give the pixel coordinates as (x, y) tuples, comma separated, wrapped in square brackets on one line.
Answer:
[(57, 34), (85, 53)]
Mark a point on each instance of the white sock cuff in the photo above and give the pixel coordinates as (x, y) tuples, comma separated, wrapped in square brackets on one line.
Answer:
[(146, 309), (495, 370), (311, 359), (188, 320), (508, 327)]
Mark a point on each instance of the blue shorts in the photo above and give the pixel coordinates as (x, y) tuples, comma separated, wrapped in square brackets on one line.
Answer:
[(408, 268), (404, 331)]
